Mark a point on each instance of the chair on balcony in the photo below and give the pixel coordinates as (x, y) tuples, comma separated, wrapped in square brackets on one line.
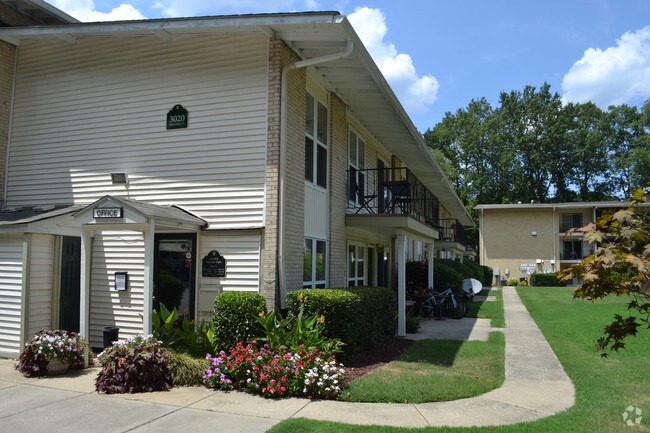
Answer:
[(400, 195), (364, 200)]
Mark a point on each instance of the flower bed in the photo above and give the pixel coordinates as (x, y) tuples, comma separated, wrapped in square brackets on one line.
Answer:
[(275, 373)]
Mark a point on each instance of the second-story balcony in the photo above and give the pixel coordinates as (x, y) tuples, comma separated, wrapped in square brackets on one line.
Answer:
[(391, 191), (451, 230)]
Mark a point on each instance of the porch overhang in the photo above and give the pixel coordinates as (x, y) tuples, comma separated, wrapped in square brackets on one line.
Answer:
[(118, 212), (393, 225)]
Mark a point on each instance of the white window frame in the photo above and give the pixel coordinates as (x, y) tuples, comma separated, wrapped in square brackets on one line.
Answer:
[(313, 283), (316, 142), (353, 264)]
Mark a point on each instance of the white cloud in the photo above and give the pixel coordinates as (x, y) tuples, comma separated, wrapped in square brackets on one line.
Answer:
[(415, 92), (616, 75), (84, 10)]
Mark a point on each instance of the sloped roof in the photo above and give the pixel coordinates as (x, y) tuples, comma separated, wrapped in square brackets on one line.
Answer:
[(355, 79), (40, 11)]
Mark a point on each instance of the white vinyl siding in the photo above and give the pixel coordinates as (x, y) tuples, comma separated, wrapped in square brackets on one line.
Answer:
[(40, 284), (11, 281), (83, 111), (242, 254), (116, 252)]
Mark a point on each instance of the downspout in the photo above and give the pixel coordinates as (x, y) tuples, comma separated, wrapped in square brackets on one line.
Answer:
[(9, 131), (283, 147), (556, 237)]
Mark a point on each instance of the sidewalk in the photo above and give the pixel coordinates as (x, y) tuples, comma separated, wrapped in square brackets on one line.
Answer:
[(535, 386)]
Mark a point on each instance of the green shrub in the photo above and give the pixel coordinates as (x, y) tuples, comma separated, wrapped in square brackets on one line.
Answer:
[(512, 282), (522, 283), (136, 365), (360, 317), (296, 332), (445, 276), (186, 370), (412, 324), (545, 280), (416, 276), (488, 275), (178, 332), (235, 318)]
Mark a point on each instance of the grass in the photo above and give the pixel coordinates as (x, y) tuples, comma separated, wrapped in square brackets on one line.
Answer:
[(604, 386), (489, 310), (434, 370)]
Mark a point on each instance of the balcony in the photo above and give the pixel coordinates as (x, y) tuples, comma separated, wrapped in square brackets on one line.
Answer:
[(451, 230), (391, 191), (568, 255)]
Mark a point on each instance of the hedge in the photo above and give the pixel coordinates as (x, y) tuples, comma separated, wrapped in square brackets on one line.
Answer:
[(446, 273), (361, 317), (235, 318), (545, 280)]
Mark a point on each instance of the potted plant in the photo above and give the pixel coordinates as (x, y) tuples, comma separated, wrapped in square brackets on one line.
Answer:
[(52, 352)]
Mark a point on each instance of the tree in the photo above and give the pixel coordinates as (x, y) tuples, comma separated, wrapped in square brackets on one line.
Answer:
[(628, 138), (588, 168), (535, 123), (620, 266)]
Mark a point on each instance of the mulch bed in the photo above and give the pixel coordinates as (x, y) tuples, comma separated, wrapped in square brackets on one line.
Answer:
[(376, 357)]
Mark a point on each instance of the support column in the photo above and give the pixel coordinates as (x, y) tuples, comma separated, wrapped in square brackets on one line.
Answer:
[(400, 246), (430, 265), (149, 245), (84, 295)]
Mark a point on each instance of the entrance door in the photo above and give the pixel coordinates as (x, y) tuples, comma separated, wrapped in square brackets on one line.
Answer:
[(174, 267), (70, 284)]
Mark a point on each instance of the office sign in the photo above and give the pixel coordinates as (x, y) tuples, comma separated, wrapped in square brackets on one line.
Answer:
[(108, 212)]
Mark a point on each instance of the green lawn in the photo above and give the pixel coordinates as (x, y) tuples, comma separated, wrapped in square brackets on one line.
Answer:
[(604, 386), (489, 310), (434, 370)]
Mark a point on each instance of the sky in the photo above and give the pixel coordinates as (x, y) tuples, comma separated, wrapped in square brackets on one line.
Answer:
[(438, 55)]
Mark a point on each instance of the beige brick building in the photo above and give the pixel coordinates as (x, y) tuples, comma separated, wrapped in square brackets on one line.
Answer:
[(517, 240)]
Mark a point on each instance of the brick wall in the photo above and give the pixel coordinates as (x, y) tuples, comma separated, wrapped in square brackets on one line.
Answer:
[(338, 199), (279, 56)]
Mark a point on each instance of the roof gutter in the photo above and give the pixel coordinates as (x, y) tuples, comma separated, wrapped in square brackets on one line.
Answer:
[(283, 151)]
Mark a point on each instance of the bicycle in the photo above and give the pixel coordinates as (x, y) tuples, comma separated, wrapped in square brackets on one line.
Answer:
[(444, 303)]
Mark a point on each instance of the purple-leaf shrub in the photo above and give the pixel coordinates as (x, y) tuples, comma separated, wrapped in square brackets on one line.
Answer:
[(137, 365)]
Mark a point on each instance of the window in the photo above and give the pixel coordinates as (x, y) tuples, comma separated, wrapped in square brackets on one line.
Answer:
[(356, 265), (314, 263), (316, 142), (570, 221), (572, 250), (356, 162)]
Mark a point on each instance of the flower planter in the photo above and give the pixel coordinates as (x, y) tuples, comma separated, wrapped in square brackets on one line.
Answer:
[(56, 366)]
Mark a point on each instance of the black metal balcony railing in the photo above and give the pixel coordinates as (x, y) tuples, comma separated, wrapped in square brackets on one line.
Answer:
[(452, 231), (393, 191), (565, 227), (575, 255)]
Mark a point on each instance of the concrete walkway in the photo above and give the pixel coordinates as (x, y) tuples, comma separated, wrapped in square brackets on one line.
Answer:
[(535, 386)]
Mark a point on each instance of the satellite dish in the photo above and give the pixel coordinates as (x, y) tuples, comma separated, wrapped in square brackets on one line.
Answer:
[(472, 286)]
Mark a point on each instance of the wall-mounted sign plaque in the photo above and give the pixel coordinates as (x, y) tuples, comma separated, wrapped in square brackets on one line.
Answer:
[(214, 265), (107, 212), (177, 117)]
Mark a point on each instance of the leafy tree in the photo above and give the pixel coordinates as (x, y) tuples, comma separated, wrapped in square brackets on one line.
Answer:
[(588, 162), (628, 138), (535, 123), (620, 266)]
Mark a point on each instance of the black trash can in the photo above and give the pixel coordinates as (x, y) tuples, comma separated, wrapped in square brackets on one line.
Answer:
[(110, 334)]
